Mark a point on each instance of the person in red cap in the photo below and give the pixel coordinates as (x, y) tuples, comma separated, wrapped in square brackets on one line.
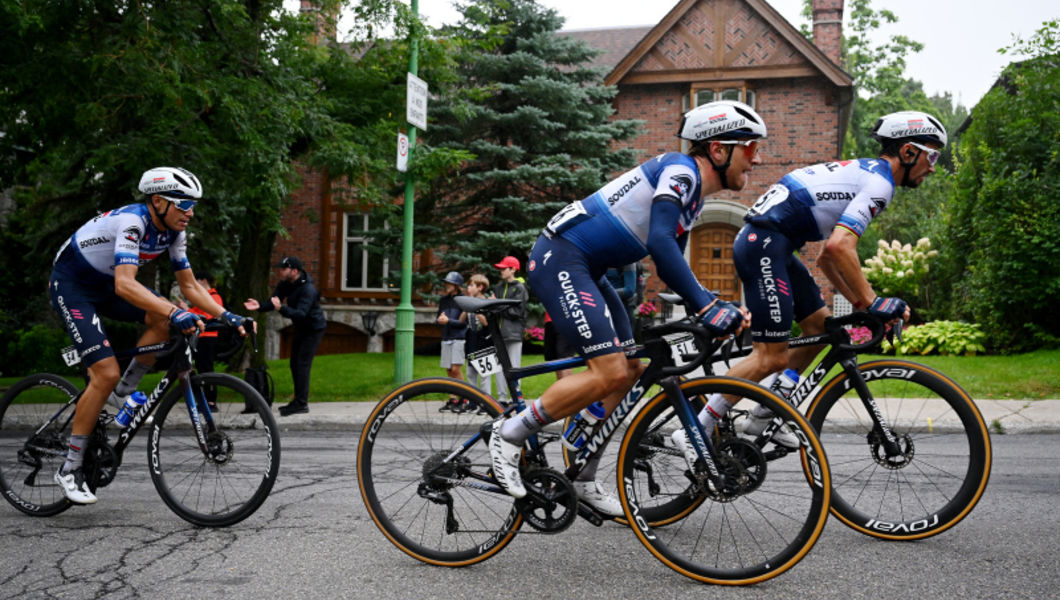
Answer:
[(513, 318)]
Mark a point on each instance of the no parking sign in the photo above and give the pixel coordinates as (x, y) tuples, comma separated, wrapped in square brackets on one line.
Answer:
[(402, 152)]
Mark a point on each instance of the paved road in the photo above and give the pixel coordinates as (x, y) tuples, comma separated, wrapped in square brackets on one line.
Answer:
[(313, 539)]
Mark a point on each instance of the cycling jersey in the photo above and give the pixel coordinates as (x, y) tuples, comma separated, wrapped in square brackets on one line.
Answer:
[(611, 226), (82, 280), (808, 203), (123, 236), (648, 209)]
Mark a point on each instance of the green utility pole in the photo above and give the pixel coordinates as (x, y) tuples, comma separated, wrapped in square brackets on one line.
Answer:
[(405, 326)]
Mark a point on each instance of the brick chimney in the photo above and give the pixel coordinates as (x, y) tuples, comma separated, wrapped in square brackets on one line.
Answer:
[(828, 27), (325, 22)]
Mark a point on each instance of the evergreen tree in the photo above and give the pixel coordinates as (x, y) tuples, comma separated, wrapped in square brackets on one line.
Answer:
[(537, 119)]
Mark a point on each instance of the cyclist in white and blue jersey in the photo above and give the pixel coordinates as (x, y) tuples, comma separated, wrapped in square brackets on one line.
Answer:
[(833, 201), (95, 274), (649, 210)]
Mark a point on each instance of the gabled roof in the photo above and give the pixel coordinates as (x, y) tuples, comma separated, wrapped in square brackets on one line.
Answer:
[(623, 55), (613, 43)]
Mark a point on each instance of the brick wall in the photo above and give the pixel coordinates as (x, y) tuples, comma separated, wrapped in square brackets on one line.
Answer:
[(802, 130)]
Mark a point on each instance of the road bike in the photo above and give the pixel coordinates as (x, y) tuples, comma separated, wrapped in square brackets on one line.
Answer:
[(740, 515), (909, 451), (213, 468)]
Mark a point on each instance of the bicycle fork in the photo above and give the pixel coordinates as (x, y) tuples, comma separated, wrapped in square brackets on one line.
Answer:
[(889, 442), (697, 436)]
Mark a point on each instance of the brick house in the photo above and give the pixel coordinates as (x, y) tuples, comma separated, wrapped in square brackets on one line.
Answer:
[(700, 51)]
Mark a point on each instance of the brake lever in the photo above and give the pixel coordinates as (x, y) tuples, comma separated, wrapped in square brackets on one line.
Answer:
[(895, 332)]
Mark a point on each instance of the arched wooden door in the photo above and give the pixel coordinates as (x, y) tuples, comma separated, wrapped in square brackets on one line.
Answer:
[(711, 259)]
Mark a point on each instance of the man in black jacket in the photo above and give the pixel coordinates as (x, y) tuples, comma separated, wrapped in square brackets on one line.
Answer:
[(297, 299)]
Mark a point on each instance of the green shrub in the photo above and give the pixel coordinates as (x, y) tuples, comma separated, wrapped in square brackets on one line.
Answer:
[(35, 350), (940, 337)]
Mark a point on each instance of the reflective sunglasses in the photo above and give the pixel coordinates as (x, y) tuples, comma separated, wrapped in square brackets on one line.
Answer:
[(182, 204), (932, 154), (750, 147)]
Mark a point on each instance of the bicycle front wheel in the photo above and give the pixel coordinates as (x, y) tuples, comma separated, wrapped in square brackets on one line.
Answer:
[(35, 418), (423, 475), (232, 477), (767, 517), (945, 457)]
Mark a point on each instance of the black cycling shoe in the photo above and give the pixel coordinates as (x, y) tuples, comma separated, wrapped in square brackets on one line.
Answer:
[(452, 405), (293, 409)]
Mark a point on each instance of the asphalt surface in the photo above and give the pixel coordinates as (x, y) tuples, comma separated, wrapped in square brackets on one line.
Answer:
[(313, 539)]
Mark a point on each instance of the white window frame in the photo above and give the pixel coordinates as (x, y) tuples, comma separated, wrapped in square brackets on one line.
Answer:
[(363, 240)]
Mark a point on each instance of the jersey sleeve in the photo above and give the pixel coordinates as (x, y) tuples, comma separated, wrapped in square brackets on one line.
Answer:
[(676, 183), (178, 253), (867, 203), (130, 228)]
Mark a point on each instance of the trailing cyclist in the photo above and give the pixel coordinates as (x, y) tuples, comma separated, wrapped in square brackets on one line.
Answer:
[(833, 201), (94, 275), (646, 211)]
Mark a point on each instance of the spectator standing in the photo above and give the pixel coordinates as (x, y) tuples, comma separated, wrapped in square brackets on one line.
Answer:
[(557, 347), (478, 336), (207, 348), (296, 298), (453, 334), (512, 318)]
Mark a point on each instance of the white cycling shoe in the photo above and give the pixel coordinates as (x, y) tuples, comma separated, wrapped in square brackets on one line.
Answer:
[(505, 458), (756, 422), (73, 484), (593, 494)]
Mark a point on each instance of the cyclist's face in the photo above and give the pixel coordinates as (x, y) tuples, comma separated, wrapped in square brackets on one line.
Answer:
[(174, 219), (923, 165), (744, 160)]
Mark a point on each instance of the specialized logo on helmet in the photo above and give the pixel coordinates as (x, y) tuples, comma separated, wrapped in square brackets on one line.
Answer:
[(719, 129)]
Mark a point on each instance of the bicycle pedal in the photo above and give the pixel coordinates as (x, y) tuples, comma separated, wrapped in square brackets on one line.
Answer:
[(590, 514)]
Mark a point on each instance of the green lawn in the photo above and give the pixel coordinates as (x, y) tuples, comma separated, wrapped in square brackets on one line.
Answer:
[(368, 377)]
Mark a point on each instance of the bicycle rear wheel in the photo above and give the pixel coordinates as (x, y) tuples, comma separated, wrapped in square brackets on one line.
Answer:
[(946, 455), (35, 419), (422, 475), (233, 478), (761, 526)]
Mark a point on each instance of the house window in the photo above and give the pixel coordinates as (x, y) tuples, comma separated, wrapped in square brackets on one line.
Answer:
[(363, 270), (700, 94)]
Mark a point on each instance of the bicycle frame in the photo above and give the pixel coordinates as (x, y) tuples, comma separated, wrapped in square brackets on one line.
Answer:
[(843, 353), (180, 370), (661, 369)]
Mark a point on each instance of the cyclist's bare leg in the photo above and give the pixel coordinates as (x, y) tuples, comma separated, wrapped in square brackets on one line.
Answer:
[(103, 376), (607, 378)]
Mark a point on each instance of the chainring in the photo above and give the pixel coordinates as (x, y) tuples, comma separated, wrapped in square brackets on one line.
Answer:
[(551, 503)]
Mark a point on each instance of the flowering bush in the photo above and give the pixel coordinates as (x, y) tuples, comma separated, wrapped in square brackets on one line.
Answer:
[(536, 334), (898, 270), (859, 335), (939, 337), (647, 309)]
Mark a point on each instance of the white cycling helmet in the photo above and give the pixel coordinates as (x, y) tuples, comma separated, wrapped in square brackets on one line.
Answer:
[(909, 125), (722, 120), (171, 182)]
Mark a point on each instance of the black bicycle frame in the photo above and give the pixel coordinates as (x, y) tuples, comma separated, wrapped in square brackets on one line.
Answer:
[(842, 352), (661, 369)]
